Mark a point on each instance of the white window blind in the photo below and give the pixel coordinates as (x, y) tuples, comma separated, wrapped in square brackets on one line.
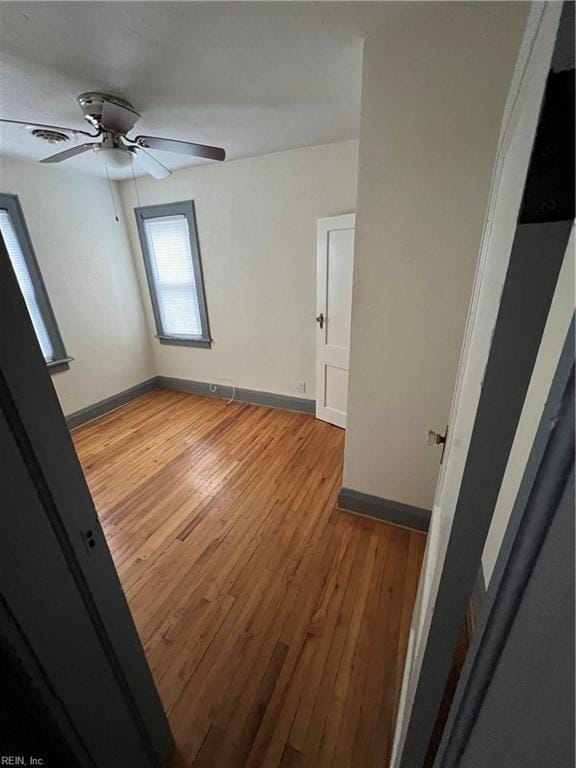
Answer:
[(172, 269), (26, 285)]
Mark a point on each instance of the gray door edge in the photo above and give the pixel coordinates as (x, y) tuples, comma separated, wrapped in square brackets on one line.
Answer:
[(547, 472)]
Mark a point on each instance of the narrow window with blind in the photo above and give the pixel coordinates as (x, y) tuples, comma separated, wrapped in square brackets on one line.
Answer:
[(174, 271), (21, 254)]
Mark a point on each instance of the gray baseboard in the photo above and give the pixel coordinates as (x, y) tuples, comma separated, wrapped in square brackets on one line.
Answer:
[(186, 385), (110, 403), (244, 395), (384, 509)]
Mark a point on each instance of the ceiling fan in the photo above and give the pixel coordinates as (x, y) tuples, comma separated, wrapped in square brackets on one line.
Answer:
[(112, 118)]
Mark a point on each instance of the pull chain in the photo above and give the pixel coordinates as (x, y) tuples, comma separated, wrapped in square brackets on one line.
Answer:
[(136, 186), (111, 191)]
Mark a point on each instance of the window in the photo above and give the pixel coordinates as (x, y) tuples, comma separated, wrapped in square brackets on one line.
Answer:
[(21, 253), (172, 259)]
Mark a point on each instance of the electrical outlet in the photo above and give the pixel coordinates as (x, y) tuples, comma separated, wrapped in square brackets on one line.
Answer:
[(300, 386)]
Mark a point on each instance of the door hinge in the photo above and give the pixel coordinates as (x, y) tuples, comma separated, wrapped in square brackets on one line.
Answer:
[(89, 540)]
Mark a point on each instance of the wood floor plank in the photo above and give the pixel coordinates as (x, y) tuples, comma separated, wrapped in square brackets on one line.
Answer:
[(274, 623)]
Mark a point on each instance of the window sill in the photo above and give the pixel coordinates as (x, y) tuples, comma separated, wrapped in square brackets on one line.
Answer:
[(57, 366), (183, 341)]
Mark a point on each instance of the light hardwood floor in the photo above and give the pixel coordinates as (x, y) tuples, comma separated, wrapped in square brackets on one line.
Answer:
[(275, 624)]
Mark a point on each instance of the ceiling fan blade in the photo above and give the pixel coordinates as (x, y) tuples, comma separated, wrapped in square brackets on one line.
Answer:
[(184, 147), (32, 124), (151, 165), (57, 158), (117, 118)]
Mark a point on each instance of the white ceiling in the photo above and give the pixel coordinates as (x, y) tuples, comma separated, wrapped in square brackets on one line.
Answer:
[(250, 77)]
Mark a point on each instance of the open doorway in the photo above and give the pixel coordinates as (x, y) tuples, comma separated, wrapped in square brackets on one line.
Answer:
[(174, 506)]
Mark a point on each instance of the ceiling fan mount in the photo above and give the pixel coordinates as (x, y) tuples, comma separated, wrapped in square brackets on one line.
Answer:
[(112, 117)]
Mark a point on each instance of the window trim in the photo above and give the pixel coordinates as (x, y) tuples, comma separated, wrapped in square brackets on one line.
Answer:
[(184, 208), (11, 204)]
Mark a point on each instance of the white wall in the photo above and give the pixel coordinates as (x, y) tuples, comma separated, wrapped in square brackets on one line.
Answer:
[(257, 231), (434, 88), (559, 318), (86, 262)]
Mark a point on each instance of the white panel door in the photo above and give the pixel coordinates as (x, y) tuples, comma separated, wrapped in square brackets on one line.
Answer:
[(334, 271)]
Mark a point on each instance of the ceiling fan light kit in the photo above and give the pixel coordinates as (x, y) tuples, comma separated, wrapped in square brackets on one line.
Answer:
[(112, 118), (114, 157)]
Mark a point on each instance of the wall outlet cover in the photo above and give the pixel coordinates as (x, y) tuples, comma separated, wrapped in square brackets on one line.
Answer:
[(300, 386)]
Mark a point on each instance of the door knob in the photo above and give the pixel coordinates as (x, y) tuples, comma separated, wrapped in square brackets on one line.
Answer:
[(320, 320), (434, 438)]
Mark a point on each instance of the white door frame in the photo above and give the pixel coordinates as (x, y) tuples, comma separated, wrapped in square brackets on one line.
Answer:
[(340, 356), (512, 161)]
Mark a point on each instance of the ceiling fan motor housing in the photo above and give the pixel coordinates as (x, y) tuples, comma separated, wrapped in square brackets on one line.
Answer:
[(92, 105)]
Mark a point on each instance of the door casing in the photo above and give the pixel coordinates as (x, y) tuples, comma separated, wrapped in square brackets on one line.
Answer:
[(457, 524)]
